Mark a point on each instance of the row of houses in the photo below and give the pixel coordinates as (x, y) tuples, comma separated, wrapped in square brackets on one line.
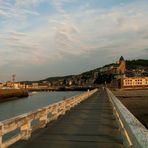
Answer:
[(14, 85), (123, 78), (17, 85)]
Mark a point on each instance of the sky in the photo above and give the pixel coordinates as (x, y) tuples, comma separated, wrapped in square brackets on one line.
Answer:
[(46, 38)]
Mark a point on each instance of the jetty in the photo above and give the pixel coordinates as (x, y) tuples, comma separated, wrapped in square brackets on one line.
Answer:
[(11, 94), (93, 119)]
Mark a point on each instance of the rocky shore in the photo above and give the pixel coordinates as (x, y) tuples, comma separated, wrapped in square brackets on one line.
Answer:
[(11, 94)]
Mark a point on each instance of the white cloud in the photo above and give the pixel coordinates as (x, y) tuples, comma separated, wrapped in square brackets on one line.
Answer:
[(71, 35), (11, 11), (26, 3)]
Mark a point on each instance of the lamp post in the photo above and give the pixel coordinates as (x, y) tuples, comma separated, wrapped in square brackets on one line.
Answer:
[(13, 79)]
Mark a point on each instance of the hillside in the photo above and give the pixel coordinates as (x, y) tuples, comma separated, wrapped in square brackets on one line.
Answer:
[(93, 76), (133, 64)]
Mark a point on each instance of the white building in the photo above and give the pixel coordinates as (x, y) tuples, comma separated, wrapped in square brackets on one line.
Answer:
[(134, 82), (1, 85)]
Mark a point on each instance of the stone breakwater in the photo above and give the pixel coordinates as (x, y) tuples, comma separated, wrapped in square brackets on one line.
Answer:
[(11, 94)]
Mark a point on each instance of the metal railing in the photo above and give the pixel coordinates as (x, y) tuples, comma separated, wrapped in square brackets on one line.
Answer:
[(134, 134), (24, 123)]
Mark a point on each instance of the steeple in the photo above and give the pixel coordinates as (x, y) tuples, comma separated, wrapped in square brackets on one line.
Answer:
[(121, 58), (122, 66)]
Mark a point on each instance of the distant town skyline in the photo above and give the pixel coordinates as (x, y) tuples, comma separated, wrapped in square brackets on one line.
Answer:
[(46, 38)]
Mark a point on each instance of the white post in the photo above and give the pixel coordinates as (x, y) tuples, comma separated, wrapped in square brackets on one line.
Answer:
[(44, 119), (55, 112), (1, 135), (64, 108), (26, 130)]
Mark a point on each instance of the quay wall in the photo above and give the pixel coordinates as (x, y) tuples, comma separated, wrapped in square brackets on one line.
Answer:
[(11, 94)]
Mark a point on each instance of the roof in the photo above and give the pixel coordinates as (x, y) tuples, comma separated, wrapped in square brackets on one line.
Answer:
[(121, 58)]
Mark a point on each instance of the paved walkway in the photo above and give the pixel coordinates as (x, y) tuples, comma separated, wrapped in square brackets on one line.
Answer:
[(91, 124)]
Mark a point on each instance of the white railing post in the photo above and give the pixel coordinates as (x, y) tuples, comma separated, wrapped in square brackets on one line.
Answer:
[(1, 128), (55, 112), (64, 108), (44, 119), (68, 106), (26, 130)]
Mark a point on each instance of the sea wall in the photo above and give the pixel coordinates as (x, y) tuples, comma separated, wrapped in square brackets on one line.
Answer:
[(11, 94)]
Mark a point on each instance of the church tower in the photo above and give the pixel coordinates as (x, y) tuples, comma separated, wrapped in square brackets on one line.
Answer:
[(122, 66)]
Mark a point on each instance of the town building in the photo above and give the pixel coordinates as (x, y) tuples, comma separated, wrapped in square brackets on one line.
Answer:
[(35, 85), (121, 66), (16, 85), (134, 82), (1, 85), (117, 68), (127, 79), (9, 84)]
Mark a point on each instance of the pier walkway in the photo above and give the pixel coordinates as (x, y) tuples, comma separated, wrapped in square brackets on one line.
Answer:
[(90, 124)]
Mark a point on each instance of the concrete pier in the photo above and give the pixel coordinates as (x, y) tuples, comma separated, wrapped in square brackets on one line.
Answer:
[(89, 124), (94, 119), (11, 94)]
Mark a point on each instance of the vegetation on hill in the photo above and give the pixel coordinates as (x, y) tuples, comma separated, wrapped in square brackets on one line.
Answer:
[(112, 64), (134, 64), (104, 78), (57, 78)]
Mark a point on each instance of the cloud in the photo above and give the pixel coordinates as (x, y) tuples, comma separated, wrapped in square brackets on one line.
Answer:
[(27, 3), (146, 49), (15, 11), (3, 13), (48, 41), (59, 4)]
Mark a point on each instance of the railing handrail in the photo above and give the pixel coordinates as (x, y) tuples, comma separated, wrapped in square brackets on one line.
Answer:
[(135, 130), (36, 110), (23, 122)]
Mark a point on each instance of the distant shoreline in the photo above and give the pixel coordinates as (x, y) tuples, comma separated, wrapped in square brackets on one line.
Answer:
[(62, 89)]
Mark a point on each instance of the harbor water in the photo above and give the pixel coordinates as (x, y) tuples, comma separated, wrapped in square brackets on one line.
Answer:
[(35, 101)]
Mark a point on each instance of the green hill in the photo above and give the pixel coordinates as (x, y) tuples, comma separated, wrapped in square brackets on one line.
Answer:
[(133, 64)]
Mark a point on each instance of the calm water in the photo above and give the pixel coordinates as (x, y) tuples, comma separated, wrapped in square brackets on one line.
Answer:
[(40, 99)]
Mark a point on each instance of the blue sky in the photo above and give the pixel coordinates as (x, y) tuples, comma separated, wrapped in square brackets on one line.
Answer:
[(43, 38)]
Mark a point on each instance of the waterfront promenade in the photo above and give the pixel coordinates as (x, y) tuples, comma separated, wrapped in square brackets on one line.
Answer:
[(89, 124)]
